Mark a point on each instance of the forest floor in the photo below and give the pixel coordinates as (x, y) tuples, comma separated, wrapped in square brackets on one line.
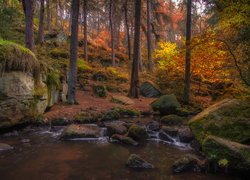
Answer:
[(88, 101)]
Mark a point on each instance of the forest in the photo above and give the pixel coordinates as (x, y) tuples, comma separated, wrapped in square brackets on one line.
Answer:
[(124, 89)]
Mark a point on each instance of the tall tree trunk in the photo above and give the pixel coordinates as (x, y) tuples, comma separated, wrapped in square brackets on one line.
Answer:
[(112, 31), (48, 15), (149, 38), (98, 22), (134, 86), (73, 52), (29, 31), (127, 29), (85, 30), (40, 38), (186, 95)]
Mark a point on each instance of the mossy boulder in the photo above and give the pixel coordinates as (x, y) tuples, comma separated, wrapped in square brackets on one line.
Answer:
[(123, 139), (81, 131), (100, 91), (124, 112), (136, 162), (187, 163), (229, 119), (222, 129), (60, 122), (236, 154), (166, 104), (111, 115), (171, 120), (149, 89), (137, 132)]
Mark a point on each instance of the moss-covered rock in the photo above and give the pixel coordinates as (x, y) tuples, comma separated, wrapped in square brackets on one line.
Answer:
[(137, 132), (166, 104), (171, 120), (111, 115), (236, 154), (123, 139), (14, 57), (187, 163), (135, 161), (124, 112), (100, 90), (229, 119), (81, 131), (60, 122), (115, 128), (149, 89)]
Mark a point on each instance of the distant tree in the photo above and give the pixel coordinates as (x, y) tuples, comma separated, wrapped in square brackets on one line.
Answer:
[(73, 52), (149, 38), (134, 86), (111, 8), (186, 95), (40, 38), (127, 29), (28, 7), (48, 15), (85, 7)]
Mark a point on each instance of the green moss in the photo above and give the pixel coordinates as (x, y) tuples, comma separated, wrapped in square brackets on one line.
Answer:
[(83, 66), (14, 57), (59, 53), (127, 112)]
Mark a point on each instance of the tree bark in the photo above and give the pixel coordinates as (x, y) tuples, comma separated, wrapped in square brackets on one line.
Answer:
[(73, 53), (29, 31), (127, 29), (48, 15), (40, 38), (85, 30), (112, 32), (186, 95), (134, 86), (149, 38)]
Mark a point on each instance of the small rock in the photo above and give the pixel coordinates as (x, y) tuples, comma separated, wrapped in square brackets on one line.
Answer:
[(153, 126), (187, 163), (124, 139), (134, 161), (5, 147), (185, 135), (170, 130), (172, 120), (165, 137), (137, 132), (113, 128)]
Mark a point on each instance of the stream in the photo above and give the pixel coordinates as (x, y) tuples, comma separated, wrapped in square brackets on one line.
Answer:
[(40, 154)]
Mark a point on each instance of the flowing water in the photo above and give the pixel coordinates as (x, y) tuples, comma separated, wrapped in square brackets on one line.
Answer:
[(39, 154)]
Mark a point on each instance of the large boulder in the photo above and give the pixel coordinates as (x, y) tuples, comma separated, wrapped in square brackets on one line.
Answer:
[(229, 119), (223, 131), (149, 89), (171, 120), (236, 155), (134, 161), (166, 104), (115, 128), (22, 96)]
